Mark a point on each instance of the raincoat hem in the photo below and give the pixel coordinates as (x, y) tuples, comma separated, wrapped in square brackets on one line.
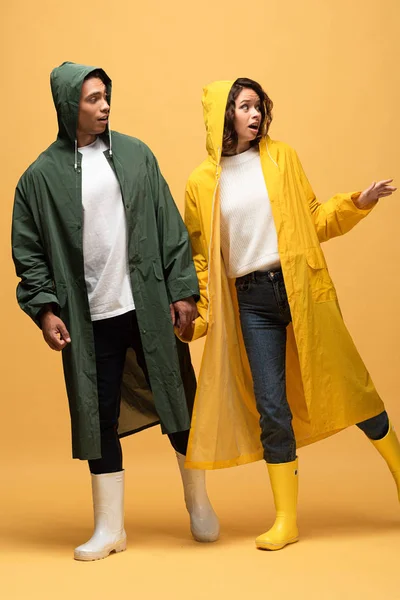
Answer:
[(223, 464), (133, 431)]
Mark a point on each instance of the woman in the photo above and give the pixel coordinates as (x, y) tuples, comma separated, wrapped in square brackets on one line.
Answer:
[(256, 226)]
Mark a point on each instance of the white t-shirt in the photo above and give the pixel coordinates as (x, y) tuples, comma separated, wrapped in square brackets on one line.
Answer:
[(248, 234), (105, 248)]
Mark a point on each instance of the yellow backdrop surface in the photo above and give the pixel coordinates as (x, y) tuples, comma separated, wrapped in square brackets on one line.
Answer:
[(331, 68)]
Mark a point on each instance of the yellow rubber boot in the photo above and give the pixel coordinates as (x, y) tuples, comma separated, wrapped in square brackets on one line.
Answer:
[(389, 448), (284, 483)]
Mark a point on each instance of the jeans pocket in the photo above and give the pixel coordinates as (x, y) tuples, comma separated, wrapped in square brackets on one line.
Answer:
[(283, 299), (242, 285)]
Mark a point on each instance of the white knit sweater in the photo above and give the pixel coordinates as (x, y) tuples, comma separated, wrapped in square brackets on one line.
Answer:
[(248, 235)]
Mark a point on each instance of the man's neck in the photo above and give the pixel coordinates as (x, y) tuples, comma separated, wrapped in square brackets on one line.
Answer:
[(85, 139)]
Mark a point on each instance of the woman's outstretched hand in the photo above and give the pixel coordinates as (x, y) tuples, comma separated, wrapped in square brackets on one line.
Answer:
[(369, 197)]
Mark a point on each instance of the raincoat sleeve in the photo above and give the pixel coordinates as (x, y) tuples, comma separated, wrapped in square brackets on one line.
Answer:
[(334, 217), (36, 288), (192, 222), (179, 272)]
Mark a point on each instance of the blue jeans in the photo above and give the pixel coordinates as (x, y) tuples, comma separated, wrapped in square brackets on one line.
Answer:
[(264, 316)]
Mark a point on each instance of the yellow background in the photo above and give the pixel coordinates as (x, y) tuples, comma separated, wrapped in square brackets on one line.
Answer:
[(331, 68)]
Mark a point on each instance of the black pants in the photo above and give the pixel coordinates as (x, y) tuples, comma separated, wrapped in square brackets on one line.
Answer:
[(112, 338)]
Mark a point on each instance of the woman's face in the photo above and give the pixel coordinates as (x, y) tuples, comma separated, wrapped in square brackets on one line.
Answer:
[(247, 119)]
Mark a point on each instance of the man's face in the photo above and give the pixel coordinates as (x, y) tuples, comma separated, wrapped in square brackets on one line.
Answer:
[(93, 108)]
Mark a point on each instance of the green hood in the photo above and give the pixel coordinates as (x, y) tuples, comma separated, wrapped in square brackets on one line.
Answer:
[(66, 84)]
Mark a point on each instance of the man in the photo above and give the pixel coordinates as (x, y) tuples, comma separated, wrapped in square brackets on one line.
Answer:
[(105, 266)]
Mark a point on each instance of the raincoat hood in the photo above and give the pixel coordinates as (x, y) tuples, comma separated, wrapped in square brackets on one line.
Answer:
[(66, 84), (215, 97)]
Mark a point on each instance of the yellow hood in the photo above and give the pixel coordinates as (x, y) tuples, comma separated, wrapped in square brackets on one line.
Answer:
[(215, 96)]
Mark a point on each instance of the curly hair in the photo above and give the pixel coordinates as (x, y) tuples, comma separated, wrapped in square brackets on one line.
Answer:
[(230, 139)]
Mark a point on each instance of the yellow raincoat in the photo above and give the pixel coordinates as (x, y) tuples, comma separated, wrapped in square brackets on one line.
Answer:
[(328, 386)]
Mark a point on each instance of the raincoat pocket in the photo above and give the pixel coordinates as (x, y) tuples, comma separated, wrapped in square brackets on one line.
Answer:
[(161, 287), (322, 289), (61, 292), (158, 271)]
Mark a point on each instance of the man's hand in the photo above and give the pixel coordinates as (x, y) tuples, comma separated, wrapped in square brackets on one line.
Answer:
[(183, 313), (54, 331), (369, 197)]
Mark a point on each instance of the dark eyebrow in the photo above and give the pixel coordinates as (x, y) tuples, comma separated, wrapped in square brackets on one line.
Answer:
[(246, 100), (94, 94)]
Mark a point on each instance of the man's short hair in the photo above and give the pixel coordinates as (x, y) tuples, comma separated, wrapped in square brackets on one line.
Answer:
[(97, 74)]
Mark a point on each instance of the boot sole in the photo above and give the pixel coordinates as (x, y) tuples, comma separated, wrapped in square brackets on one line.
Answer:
[(268, 546), (89, 556), (205, 539)]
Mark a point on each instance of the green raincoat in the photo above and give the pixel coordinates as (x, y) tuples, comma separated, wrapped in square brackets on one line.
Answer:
[(47, 251)]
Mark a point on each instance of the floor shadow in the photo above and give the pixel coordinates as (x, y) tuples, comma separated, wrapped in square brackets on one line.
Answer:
[(59, 532)]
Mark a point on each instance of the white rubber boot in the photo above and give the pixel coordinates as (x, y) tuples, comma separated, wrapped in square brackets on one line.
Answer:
[(108, 504), (204, 522)]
